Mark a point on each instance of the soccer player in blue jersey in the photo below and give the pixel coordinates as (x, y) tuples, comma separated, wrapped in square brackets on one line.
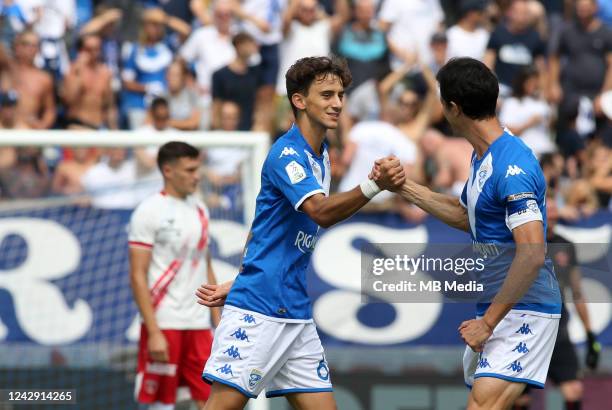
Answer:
[(502, 206), (266, 337)]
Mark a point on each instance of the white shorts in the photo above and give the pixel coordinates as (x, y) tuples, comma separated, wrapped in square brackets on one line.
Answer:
[(519, 350), (251, 352)]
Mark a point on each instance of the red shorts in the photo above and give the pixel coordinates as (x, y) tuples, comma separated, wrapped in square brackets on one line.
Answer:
[(188, 351)]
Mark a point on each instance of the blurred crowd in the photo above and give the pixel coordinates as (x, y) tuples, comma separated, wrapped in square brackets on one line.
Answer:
[(156, 65)]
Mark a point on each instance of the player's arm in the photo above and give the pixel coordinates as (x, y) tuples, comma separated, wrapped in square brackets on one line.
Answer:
[(140, 259), (215, 312), (528, 259), (327, 211), (446, 208)]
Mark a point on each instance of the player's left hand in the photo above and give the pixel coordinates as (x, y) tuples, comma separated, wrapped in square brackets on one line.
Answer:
[(388, 173), (213, 295), (475, 333)]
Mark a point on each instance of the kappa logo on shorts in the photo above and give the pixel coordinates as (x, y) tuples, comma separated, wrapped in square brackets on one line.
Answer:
[(240, 334), (524, 330), (254, 378), (515, 366), (226, 369), (483, 362), (248, 319), (233, 352), (323, 370), (521, 348)]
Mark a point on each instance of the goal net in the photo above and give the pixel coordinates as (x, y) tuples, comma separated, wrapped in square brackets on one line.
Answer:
[(67, 316)]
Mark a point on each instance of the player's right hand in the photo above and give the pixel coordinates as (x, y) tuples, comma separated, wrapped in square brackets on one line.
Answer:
[(213, 295), (158, 347), (388, 173)]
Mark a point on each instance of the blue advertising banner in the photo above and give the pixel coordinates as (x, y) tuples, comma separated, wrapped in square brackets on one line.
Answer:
[(64, 279)]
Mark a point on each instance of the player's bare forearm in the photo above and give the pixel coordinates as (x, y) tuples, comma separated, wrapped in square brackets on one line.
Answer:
[(446, 208), (139, 264), (327, 211), (528, 259), (575, 278)]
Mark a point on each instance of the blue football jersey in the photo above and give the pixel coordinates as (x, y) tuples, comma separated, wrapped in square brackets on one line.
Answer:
[(273, 276), (506, 189)]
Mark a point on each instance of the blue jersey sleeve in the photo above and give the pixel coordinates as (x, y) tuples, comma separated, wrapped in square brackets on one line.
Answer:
[(519, 190), (290, 172), (463, 196)]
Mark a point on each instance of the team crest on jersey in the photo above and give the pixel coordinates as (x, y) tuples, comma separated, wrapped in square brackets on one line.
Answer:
[(513, 170), (254, 378), (295, 172), (288, 151), (484, 172)]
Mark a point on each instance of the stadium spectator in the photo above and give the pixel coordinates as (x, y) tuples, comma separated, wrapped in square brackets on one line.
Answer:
[(34, 87), (50, 20), (414, 116), (409, 26), (599, 174), (110, 183), (307, 31), (238, 82), (515, 44), (185, 111), (105, 23), (169, 256), (439, 51), (8, 102), (69, 172), (363, 44), (526, 113), (208, 49), (263, 19), (87, 89), (582, 63), (28, 178), (145, 63), (468, 38), (445, 162), (223, 164)]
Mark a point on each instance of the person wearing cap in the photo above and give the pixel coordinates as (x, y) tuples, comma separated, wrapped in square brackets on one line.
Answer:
[(145, 63), (468, 38)]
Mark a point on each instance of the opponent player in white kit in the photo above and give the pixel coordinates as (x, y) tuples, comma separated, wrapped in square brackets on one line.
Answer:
[(267, 338), (502, 206), (169, 258)]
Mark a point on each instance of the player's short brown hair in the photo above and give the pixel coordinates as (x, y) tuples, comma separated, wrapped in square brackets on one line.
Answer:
[(303, 72), (175, 150)]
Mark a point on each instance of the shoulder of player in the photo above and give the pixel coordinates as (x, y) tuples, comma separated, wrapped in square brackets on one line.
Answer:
[(151, 204), (514, 152), (285, 149)]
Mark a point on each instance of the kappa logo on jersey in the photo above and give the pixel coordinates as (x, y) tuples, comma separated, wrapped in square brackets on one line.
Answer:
[(305, 242), (513, 170), (288, 151), (254, 378), (295, 172)]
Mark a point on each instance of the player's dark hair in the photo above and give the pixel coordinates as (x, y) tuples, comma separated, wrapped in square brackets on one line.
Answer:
[(175, 150), (303, 72), (471, 85)]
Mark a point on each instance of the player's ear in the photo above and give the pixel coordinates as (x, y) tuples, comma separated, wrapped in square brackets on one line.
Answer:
[(455, 109), (298, 101)]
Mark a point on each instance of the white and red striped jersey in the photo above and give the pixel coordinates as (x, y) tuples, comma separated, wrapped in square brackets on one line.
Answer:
[(176, 232)]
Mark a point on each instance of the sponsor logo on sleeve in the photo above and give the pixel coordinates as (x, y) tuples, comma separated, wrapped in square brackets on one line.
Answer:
[(521, 195), (295, 172)]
